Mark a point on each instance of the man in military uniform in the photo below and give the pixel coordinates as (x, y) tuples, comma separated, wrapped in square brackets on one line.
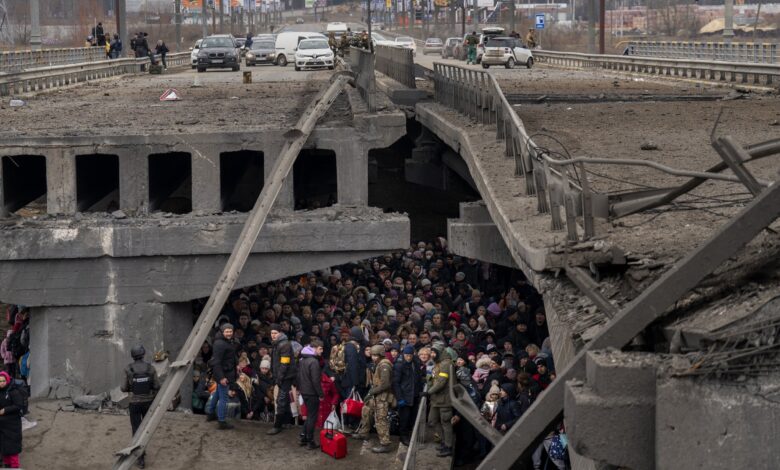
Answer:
[(344, 45), (378, 401), (142, 383), (471, 48), (438, 392), (530, 39), (332, 41), (284, 371)]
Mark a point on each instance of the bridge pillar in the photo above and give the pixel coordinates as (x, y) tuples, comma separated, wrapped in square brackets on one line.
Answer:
[(206, 180), (61, 182), (134, 175), (351, 172), (84, 349)]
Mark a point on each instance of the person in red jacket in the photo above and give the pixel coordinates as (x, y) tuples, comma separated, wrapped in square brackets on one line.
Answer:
[(331, 397)]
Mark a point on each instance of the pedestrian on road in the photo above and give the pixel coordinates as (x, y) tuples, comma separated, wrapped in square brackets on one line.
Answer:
[(249, 42), (116, 47), (162, 50), (224, 367), (142, 383), (310, 387), (284, 372), (471, 47), (11, 405)]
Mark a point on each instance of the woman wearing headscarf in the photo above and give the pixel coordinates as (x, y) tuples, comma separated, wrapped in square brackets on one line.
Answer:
[(11, 404)]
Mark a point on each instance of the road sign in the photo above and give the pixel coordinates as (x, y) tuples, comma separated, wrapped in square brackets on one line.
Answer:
[(540, 21), (171, 94)]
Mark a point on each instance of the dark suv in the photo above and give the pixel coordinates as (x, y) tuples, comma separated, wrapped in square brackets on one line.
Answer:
[(218, 52)]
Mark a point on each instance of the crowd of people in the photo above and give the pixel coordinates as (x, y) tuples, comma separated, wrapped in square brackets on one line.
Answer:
[(14, 392), (385, 333), (139, 45)]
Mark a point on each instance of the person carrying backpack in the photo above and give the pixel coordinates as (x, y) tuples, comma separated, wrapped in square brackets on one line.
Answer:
[(142, 383), (11, 404)]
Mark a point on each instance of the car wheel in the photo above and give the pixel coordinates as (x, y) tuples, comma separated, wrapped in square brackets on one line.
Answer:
[(236, 68), (485, 66), (297, 69), (281, 61), (530, 62), (201, 69), (510, 63), (331, 67), (194, 67)]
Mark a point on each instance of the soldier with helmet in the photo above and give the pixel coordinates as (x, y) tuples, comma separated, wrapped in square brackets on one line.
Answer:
[(438, 392), (378, 402), (142, 383)]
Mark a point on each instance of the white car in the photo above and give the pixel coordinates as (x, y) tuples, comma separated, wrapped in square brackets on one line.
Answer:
[(194, 53), (314, 53), (406, 42), (380, 40), (506, 51)]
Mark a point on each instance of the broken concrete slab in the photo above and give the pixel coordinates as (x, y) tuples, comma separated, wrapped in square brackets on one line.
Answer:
[(89, 402), (119, 398)]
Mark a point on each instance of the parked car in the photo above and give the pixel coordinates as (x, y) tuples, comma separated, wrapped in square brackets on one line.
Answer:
[(287, 42), (263, 51), (194, 53), (407, 42), (448, 48), (506, 51), (218, 52), (433, 45), (487, 33), (299, 21), (380, 40), (314, 53)]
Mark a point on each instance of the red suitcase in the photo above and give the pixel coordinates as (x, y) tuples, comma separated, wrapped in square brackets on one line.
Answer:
[(333, 442)]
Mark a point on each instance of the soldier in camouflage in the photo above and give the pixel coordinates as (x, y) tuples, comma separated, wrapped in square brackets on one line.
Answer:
[(378, 402), (438, 392)]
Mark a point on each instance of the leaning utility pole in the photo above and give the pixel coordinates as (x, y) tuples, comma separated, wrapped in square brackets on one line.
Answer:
[(177, 9), (35, 25)]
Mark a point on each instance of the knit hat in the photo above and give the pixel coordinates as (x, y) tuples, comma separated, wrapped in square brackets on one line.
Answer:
[(391, 312), (377, 350), (459, 276), (408, 349), (265, 364), (494, 309), (225, 326), (494, 390), (509, 388), (425, 282), (275, 327)]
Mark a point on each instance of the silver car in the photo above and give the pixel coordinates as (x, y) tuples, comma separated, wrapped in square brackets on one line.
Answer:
[(433, 45)]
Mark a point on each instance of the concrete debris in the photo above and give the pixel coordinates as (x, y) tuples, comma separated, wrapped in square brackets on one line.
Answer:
[(17, 103), (775, 123), (68, 408), (649, 145), (60, 389), (89, 402), (119, 214), (119, 398)]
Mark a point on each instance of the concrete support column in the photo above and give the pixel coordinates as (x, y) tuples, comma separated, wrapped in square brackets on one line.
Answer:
[(61, 182), (352, 173), (3, 211), (84, 349), (286, 199), (134, 182), (206, 180), (35, 25)]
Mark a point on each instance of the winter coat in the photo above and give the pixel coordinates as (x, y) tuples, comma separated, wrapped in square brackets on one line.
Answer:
[(355, 373), (283, 360), (309, 374), (329, 400), (439, 383), (507, 413), (131, 371), (406, 381), (11, 401), (223, 360)]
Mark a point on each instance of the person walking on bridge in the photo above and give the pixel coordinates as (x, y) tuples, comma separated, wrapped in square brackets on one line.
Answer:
[(142, 383), (471, 47), (223, 363), (284, 372)]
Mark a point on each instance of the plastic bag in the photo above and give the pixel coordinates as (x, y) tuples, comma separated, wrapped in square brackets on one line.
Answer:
[(333, 421)]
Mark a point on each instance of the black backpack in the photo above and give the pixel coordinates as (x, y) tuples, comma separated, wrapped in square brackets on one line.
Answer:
[(24, 391), (141, 380)]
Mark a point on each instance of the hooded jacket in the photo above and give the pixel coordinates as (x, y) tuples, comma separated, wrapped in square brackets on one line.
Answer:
[(309, 373), (283, 360), (406, 380), (355, 373), (223, 359)]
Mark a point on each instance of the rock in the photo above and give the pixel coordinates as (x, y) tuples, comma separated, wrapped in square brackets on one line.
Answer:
[(649, 145), (119, 214), (60, 389), (119, 398), (69, 408), (89, 402), (775, 123)]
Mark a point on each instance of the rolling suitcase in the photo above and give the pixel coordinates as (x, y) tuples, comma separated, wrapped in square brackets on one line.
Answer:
[(333, 442)]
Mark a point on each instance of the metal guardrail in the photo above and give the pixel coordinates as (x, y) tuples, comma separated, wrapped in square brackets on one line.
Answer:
[(752, 52), (417, 440), (362, 62), (709, 70), (21, 60), (46, 78), (397, 63)]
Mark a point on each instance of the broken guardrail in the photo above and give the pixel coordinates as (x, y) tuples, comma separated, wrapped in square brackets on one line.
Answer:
[(696, 69), (46, 78), (397, 63), (296, 138)]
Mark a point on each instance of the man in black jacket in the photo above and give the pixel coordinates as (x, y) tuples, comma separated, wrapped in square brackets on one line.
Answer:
[(224, 367), (310, 387), (284, 371), (406, 386)]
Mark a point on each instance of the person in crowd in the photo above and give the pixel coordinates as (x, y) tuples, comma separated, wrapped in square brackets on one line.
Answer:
[(310, 387), (284, 372), (142, 383), (115, 47), (224, 362), (162, 50), (378, 401), (11, 405), (406, 386), (440, 414)]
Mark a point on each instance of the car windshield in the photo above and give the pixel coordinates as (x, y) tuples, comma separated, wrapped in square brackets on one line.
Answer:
[(499, 42), (263, 45), (216, 42), (404, 40), (318, 44), (433, 41), (378, 37)]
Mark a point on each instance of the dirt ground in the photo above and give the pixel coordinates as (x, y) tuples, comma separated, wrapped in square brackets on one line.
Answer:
[(87, 440)]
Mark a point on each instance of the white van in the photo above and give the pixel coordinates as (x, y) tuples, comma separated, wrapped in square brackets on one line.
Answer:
[(287, 42), (337, 28)]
